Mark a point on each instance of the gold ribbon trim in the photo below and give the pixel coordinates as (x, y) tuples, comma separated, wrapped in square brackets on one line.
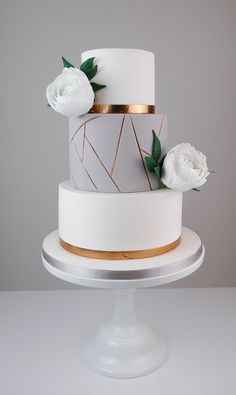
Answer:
[(123, 109), (119, 255)]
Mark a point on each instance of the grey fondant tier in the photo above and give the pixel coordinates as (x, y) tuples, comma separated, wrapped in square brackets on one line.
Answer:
[(107, 151)]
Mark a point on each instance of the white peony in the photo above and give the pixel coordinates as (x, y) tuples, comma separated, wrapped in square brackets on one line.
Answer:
[(184, 168), (70, 93)]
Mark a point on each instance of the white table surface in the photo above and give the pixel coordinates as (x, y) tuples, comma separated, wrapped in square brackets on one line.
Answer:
[(42, 334)]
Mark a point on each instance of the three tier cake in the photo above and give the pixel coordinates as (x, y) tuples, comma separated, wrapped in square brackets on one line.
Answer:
[(124, 197)]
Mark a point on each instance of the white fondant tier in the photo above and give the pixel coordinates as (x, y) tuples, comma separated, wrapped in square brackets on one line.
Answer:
[(107, 151), (129, 75), (119, 222)]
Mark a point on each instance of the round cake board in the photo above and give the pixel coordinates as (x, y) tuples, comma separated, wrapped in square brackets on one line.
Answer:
[(133, 273)]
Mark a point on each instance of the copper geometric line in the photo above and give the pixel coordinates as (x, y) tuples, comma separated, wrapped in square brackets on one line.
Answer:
[(83, 141), (118, 145), (141, 156), (84, 123), (84, 167), (77, 151), (145, 152), (102, 163), (161, 126), (90, 178)]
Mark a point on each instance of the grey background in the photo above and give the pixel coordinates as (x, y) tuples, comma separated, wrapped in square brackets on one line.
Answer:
[(194, 42)]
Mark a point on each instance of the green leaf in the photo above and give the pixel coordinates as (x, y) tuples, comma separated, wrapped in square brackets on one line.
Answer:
[(156, 147), (91, 73), (196, 189), (66, 63), (87, 65), (162, 161), (48, 105), (157, 170), (151, 163), (96, 87)]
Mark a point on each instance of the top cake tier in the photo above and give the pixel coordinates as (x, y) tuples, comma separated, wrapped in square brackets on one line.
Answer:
[(129, 75)]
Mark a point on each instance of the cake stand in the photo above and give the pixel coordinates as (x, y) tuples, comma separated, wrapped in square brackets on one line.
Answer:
[(126, 346)]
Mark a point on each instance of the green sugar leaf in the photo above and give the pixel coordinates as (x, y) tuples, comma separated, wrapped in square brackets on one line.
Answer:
[(161, 162), (157, 170), (91, 73), (96, 87), (87, 65), (156, 147), (151, 163), (48, 105), (196, 189), (66, 63)]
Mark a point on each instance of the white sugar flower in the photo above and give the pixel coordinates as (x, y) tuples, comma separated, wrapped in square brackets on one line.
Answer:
[(70, 93), (184, 168)]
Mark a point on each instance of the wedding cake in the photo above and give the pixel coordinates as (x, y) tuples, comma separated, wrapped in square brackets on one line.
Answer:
[(124, 196)]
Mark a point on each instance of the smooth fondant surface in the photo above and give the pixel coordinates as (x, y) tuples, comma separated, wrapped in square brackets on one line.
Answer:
[(129, 75), (107, 151), (119, 222)]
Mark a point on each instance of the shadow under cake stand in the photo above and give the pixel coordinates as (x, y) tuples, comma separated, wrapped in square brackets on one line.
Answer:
[(126, 346)]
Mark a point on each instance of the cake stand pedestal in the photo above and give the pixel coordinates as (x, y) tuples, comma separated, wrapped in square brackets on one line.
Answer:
[(126, 346)]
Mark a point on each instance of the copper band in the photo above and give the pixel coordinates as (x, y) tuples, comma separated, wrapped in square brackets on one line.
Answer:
[(119, 255), (123, 109)]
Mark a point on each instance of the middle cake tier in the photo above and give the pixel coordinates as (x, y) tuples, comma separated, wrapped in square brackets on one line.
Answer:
[(107, 151)]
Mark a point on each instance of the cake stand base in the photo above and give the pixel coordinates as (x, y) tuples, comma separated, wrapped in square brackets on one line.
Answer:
[(125, 347)]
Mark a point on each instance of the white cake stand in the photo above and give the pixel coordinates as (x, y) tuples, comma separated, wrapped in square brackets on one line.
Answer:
[(125, 347)]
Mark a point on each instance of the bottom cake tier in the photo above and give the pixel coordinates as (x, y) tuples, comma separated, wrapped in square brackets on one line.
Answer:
[(119, 226)]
